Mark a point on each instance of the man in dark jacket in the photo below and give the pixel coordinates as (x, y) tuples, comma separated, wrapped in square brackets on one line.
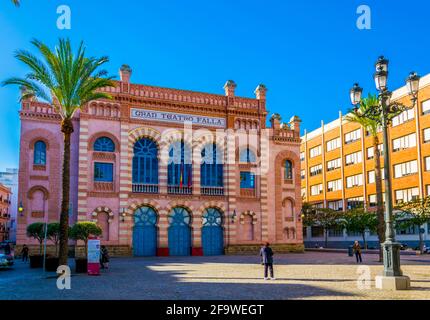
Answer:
[(266, 254)]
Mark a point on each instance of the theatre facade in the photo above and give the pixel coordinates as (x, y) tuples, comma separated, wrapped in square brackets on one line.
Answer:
[(167, 172)]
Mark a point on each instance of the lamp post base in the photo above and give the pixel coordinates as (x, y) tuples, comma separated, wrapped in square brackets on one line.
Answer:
[(392, 283)]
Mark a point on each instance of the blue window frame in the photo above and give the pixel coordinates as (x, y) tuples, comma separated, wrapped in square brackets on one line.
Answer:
[(247, 180), (104, 144), (39, 153), (180, 165), (247, 156), (145, 162), (103, 172), (211, 169), (288, 170)]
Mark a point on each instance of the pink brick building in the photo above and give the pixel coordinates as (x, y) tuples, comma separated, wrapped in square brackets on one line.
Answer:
[(166, 171)]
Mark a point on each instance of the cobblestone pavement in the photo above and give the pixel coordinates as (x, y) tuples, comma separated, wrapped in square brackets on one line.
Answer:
[(311, 275)]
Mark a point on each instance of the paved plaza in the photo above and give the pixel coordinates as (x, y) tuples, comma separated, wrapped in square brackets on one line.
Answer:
[(312, 275)]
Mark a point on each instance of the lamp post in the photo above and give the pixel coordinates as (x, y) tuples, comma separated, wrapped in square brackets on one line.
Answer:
[(123, 214), (21, 209), (392, 277)]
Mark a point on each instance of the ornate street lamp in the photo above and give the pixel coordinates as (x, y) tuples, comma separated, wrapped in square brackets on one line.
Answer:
[(392, 277), (123, 214)]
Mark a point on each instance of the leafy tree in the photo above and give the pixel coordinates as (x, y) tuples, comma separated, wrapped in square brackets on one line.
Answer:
[(414, 213), (54, 234), (83, 230), (37, 231), (68, 82), (359, 220), (16, 2), (360, 116), (323, 217)]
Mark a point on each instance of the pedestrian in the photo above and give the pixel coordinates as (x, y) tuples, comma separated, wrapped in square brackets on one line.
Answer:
[(266, 254), (104, 257), (357, 250), (24, 253)]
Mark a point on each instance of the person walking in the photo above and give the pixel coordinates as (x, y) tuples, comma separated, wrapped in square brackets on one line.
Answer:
[(266, 254), (357, 251), (24, 253), (104, 257)]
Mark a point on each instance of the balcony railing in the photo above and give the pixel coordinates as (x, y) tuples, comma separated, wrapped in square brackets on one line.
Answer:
[(179, 190), (145, 188), (212, 191), (103, 186), (248, 192)]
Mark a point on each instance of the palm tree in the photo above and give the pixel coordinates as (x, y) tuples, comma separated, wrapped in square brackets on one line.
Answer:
[(16, 2), (67, 81), (358, 116)]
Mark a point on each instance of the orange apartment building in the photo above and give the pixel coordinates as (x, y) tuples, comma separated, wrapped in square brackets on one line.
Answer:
[(337, 168), (5, 201)]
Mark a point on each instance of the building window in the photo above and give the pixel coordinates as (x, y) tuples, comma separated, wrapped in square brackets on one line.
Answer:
[(371, 176), (314, 152), (334, 185), (145, 162), (334, 164), (316, 190), (405, 116), (104, 144), (316, 170), (336, 205), (426, 135), (247, 156), (39, 153), (302, 156), (427, 163), (405, 169), (211, 169), (371, 151), (354, 181), (288, 170), (404, 142), (303, 174), (356, 202), (352, 136), (303, 192), (103, 172), (317, 232), (372, 200), (425, 107), (411, 230), (336, 232), (179, 169), (353, 158), (333, 144), (428, 190), (406, 195), (247, 180)]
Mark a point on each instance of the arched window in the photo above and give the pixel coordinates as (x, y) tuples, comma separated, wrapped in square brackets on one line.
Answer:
[(40, 153), (288, 170), (211, 169), (104, 144), (179, 170), (145, 162), (247, 156)]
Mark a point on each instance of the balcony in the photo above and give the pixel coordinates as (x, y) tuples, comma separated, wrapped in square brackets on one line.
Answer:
[(103, 186), (179, 190), (145, 188), (212, 191), (248, 192)]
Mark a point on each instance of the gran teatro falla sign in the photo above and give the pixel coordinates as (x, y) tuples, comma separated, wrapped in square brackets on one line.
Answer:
[(151, 115)]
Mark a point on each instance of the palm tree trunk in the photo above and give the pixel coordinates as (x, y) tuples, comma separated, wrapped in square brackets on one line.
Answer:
[(67, 130), (379, 195)]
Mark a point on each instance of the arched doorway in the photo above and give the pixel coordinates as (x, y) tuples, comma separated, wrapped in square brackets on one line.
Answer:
[(179, 232), (212, 233), (103, 223), (145, 232)]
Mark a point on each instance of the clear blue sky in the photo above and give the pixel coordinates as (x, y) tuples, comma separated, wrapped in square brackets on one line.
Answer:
[(308, 52)]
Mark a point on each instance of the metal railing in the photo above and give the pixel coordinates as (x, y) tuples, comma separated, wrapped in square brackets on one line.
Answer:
[(179, 190), (145, 188), (212, 191)]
